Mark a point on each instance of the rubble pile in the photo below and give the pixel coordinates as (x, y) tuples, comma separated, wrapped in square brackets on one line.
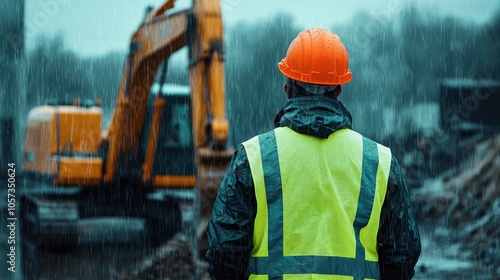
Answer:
[(468, 203), (172, 261)]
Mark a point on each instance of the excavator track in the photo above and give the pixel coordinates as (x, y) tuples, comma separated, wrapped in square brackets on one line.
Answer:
[(52, 222), (49, 215)]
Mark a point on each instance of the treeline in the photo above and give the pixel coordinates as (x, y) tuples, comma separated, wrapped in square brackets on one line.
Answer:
[(56, 73), (404, 59), (397, 62)]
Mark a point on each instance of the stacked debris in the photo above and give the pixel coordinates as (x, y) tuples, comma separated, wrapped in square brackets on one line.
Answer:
[(172, 261), (467, 202)]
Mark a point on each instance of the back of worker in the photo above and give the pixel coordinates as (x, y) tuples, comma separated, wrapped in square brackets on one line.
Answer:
[(318, 202), (313, 199)]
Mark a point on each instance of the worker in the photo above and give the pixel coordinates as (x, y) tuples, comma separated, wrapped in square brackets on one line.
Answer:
[(313, 198)]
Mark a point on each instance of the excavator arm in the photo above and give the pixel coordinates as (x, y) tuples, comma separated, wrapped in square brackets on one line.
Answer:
[(156, 39), (207, 74), (159, 36), (210, 126)]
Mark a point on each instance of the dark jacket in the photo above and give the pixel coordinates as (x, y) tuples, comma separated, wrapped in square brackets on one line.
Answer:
[(230, 230)]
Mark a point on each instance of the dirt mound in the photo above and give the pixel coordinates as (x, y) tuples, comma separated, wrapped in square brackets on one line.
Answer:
[(172, 261)]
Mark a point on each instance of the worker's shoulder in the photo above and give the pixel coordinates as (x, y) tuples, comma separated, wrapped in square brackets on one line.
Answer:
[(261, 136), (381, 147)]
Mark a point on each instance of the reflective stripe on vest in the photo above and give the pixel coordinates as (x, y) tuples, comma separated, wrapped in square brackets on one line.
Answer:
[(324, 223)]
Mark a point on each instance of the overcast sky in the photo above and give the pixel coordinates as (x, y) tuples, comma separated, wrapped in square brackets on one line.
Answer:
[(96, 27)]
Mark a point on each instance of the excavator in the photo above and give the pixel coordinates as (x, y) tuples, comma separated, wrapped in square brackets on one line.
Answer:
[(162, 156)]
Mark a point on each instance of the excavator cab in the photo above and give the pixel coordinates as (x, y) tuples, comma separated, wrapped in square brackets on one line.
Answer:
[(174, 144)]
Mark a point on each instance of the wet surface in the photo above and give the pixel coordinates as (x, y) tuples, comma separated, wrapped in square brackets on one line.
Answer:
[(107, 247)]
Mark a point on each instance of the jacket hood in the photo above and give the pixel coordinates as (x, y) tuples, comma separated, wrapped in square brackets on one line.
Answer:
[(317, 115)]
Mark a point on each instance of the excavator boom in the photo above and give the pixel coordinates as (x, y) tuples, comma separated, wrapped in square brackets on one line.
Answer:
[(201, 30), (155, 40)]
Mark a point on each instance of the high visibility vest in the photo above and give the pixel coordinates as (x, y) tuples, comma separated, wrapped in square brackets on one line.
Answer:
[(318, 205)]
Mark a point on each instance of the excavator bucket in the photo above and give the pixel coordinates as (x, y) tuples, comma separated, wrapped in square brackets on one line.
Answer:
[(211, 170)]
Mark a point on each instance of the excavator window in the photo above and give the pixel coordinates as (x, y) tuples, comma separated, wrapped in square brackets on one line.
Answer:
[(178, 129), (174, 150)]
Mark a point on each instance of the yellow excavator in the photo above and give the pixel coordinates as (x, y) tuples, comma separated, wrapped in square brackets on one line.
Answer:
[(164, 153)]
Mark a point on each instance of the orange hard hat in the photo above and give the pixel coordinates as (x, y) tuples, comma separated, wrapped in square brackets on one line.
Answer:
[(317, 56)]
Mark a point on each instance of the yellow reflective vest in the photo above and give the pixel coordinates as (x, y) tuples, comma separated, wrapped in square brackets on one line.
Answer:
[(318, 204)]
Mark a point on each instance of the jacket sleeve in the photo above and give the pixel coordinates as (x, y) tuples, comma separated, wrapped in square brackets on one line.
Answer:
[(398, 237), (230, 229)]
